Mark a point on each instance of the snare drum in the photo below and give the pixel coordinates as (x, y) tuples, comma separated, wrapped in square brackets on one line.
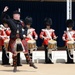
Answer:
[(6, 42), (52, 44), (70, 44), (31, 44)]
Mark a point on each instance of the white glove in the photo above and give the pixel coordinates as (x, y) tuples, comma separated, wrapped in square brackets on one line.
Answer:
[(5, 9)]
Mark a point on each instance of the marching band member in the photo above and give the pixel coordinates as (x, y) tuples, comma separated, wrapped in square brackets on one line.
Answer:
[(47, 34), (31, 34), (5, 59), (8, 31), (31, 31), (2, 35), (16, 34), (69, 35)]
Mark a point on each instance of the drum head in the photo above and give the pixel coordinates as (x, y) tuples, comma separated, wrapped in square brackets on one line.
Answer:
[(31, 41), (70, 42), (6, 41), (52, 41)]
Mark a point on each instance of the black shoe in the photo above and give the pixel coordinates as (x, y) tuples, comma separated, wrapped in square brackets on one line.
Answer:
[(49, 63), (15, 69), (32, 65), (5, 63), (19, 65), (69, 62)]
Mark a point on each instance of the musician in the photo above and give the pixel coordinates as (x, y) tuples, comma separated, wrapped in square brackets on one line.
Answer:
[(5, 59), (30, 33), (47, 34), (8, 31), (16, 34), (69, 35)]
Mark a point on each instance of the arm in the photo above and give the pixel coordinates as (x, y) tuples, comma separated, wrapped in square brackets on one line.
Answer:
[(35, 35), (64, 37), (3, 35), (53, 35), (42, 35), (7, 19), (4, 16)]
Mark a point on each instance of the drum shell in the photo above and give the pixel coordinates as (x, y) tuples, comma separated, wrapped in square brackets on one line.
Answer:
[(31, 45), (70, 45), (52, 44), (6, 42)]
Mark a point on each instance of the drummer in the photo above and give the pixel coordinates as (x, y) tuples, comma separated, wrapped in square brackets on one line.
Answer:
[(5, 59), (29, 31), (69, 35), (3, 36), (47, 34)]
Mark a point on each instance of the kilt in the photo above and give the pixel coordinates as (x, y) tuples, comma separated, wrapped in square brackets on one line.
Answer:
[(12, 43)]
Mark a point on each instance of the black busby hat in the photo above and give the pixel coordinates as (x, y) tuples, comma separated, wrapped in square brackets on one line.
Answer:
[(47, 21), (70, 23), (16, 12), (28, 20)]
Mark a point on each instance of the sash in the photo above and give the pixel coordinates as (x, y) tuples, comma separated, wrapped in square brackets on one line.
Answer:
[(69, 35), (48, 34), (29, 35)]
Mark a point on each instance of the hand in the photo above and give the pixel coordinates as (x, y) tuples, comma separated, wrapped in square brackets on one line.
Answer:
[(55, 37), (5, 9), (45, 38), (24, 36), (35, 38)]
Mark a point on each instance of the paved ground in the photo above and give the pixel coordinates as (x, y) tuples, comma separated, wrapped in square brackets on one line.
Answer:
[(43, 69)]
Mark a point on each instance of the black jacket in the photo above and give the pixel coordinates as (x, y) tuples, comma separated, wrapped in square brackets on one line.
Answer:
[(13, 24)]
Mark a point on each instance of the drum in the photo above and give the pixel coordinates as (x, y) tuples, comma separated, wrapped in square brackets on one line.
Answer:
[(6, 42), (31, 44), (52, 44), (70, 44)]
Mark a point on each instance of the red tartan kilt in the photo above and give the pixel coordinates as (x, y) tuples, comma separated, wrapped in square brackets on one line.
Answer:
[(0, 48), (24, 42), (12, 43)]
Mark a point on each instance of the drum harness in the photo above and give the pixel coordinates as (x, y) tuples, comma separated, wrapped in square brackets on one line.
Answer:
[(50, 49), (50, 53), (29, 35), (69, 34)]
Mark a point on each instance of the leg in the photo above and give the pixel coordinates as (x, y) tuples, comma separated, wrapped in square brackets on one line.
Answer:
[(47, 60), (15, 63), (5, 59), (30, 54), (69, 60), (18, 60), (27, 54), (30, 61)]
